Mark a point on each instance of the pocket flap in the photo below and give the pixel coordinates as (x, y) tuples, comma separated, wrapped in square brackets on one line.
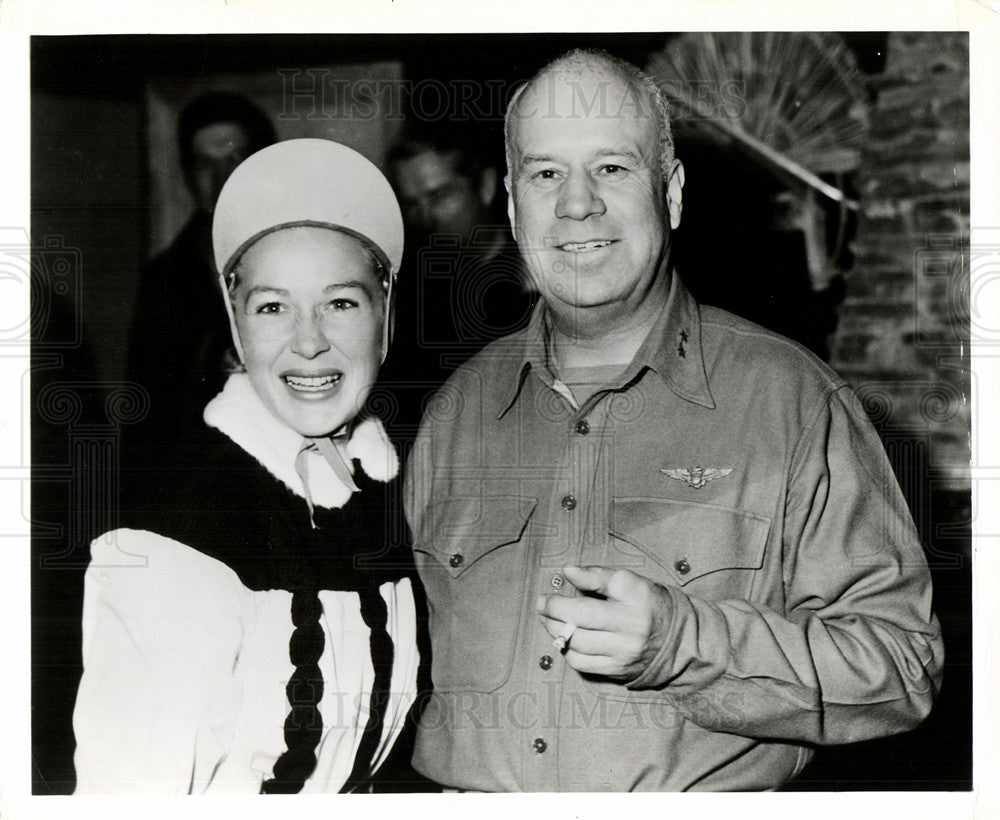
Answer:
[(690, 539), (458, 531)]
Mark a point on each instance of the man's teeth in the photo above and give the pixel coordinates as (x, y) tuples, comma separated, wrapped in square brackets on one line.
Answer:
[(576, 247), (313, 383)]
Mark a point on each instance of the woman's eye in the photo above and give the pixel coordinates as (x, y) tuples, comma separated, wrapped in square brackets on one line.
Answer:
[(270, 308), (343, 304)]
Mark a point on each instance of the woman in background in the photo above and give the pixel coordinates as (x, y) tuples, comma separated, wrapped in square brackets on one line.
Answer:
[(251, 627)]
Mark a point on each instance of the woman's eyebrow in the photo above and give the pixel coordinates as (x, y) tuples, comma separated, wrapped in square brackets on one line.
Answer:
[(266, 289), (351, 283)]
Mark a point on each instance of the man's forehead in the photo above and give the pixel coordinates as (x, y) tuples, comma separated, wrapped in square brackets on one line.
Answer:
[(589, 100), (601, 116), (587, 92)]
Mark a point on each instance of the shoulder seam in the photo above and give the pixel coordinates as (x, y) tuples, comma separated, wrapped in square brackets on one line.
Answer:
[(816, 365)]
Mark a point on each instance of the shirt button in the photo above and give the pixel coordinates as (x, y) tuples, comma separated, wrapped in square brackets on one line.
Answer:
[(569, 502), (545, 662), (582, 427), (682, 566), (556, 581), (456, 560), (539, 745)]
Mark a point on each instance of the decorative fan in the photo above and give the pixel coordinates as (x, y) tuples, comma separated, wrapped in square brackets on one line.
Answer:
[(796, 100)]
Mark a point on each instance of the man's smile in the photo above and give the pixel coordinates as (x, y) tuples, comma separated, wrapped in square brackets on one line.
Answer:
[(585, 247)]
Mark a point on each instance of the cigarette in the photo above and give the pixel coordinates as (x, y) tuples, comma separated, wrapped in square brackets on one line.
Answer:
[(563, 640)]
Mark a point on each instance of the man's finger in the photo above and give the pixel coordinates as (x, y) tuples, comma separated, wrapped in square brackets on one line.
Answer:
[(615, 585), (590, 664), (594, 642), (590, 613), (588, 579)]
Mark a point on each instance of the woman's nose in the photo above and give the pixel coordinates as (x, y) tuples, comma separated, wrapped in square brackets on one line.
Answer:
[(309, 340)]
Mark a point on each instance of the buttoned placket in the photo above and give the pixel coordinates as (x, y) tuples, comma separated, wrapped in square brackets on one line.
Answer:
[(577, 516), (571, 525)]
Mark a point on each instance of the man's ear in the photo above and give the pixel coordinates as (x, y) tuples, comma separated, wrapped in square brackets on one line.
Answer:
[(675, 186), (487, 186), (511, 215)]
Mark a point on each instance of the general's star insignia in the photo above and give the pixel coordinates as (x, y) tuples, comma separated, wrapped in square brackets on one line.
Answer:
[(697, 477)]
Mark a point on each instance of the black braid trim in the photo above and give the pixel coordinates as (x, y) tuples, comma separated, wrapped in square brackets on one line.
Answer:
[(375, 615), (304, 724)]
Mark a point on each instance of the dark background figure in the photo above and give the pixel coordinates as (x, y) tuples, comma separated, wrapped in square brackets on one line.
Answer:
[(780, 266), (180, 331), (462, 282), (70, 438)]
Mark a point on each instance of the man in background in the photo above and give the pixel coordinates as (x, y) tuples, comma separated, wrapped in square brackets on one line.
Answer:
[(462, 284), (180, 331)]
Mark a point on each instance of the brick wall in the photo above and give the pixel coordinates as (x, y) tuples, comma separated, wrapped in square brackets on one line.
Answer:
[(902, 338)]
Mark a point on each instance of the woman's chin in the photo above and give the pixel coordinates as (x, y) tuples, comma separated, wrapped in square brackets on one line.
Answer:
[(316, 421)]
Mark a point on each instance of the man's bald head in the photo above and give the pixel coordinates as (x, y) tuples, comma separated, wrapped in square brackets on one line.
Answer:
[(643, 97)]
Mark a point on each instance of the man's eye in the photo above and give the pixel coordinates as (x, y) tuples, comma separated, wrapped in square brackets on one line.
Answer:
[(270, 308), (545, 173), (611, 169)]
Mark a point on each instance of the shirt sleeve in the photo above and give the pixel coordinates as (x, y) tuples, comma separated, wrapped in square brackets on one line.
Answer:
[(856, 652), (157, 704)]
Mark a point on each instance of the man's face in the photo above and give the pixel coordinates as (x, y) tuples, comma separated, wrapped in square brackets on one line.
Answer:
[(309, 311), (588, 204), (218, 148), (437, 199)]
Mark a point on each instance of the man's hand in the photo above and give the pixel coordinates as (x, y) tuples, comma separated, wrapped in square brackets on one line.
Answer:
[(616, 636)]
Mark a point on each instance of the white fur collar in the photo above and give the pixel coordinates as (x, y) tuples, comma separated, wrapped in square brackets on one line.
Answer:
[(239, 413)]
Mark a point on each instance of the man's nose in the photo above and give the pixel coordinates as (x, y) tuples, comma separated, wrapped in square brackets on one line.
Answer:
[(579, 198), (309, 340)]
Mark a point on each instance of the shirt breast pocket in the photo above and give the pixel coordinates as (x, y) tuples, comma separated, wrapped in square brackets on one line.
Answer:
[(709, 551), (473, 563)]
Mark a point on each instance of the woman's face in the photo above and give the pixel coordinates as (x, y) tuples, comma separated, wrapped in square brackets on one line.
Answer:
[(309, 310)]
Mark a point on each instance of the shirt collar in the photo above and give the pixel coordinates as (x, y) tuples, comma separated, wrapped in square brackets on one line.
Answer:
[(672, 350)]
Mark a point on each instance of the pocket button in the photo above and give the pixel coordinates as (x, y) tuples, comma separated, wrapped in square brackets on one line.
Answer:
[(556, 581), (569, 502), (456, 560), (539, 745), (682, 566)]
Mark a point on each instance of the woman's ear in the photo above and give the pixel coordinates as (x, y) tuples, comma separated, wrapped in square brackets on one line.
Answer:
[(227, 297)]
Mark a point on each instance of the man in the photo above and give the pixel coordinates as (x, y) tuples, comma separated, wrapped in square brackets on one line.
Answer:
[(467, 287), (662, 546), (180, 333)]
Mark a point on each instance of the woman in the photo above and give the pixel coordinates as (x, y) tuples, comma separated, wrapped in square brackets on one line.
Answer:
[(250, 628)]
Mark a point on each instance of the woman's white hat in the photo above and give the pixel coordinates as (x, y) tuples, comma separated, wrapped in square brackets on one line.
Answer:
[(307, 182)]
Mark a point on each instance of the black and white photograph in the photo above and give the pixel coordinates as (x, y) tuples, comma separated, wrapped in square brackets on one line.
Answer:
[(428, 414)]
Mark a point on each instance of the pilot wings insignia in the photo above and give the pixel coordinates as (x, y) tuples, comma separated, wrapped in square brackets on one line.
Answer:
[(697, 477)]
